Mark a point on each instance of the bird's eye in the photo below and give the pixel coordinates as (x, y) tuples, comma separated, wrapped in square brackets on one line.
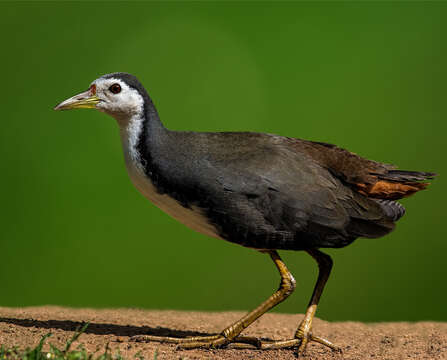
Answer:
[(115, 88)]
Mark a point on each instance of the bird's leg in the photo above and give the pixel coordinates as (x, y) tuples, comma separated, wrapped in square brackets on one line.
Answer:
[(304, 330), (231, 333), (304, 334)]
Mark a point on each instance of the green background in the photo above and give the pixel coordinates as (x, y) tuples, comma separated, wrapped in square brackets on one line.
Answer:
[(370, 77)]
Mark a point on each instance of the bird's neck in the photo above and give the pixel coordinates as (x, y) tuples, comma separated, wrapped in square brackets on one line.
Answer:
[(142, 133)]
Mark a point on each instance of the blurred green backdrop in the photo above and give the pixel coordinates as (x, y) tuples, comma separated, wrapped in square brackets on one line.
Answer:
[(370, 77)]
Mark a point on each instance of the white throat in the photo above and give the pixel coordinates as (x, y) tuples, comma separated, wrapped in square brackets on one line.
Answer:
[(130, 135)]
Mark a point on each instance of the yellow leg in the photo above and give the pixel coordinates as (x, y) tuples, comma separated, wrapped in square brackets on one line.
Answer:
[(304, 334), (231, 333)]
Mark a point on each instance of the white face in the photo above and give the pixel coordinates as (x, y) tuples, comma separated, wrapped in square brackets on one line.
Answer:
[(117, 98)]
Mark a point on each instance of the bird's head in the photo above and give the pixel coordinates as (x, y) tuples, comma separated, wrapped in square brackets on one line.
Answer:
[(120, 95)]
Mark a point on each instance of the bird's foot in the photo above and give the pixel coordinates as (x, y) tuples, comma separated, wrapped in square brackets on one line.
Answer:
[(204, 342), (306, 336), (299, 342), (240, 342), (302, 338), (218, 341)]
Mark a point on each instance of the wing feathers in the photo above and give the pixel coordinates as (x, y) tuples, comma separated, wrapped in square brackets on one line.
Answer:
[(370, 178)]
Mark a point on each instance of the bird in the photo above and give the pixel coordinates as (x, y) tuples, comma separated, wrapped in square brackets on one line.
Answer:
[(262, 191)]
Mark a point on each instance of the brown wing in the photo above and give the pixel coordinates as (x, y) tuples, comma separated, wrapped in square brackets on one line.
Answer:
[(370, 178)]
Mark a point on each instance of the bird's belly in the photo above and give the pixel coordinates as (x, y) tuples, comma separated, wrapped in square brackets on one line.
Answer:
[(193, 217)]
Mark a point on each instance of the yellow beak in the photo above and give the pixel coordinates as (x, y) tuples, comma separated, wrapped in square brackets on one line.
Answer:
[(85, 100)]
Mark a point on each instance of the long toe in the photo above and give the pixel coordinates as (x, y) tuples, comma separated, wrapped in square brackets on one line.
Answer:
[(204, 343), (305, 338), (174, 340)]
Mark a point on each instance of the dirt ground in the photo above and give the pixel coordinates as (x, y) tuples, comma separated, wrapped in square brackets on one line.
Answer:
[(25, 326)]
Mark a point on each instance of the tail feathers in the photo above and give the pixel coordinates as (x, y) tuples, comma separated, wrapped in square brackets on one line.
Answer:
[(406, 176), (395, 184), (392, 209)]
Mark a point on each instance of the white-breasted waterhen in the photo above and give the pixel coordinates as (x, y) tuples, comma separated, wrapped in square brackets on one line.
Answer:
[(262, 191)]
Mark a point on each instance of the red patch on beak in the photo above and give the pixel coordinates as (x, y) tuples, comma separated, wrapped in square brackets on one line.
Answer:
[(93, 89)]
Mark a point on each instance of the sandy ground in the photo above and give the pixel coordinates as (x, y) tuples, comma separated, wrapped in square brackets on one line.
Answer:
[(25, 326)]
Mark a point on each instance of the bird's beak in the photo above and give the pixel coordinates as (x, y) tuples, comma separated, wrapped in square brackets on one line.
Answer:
[(85, 100)]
